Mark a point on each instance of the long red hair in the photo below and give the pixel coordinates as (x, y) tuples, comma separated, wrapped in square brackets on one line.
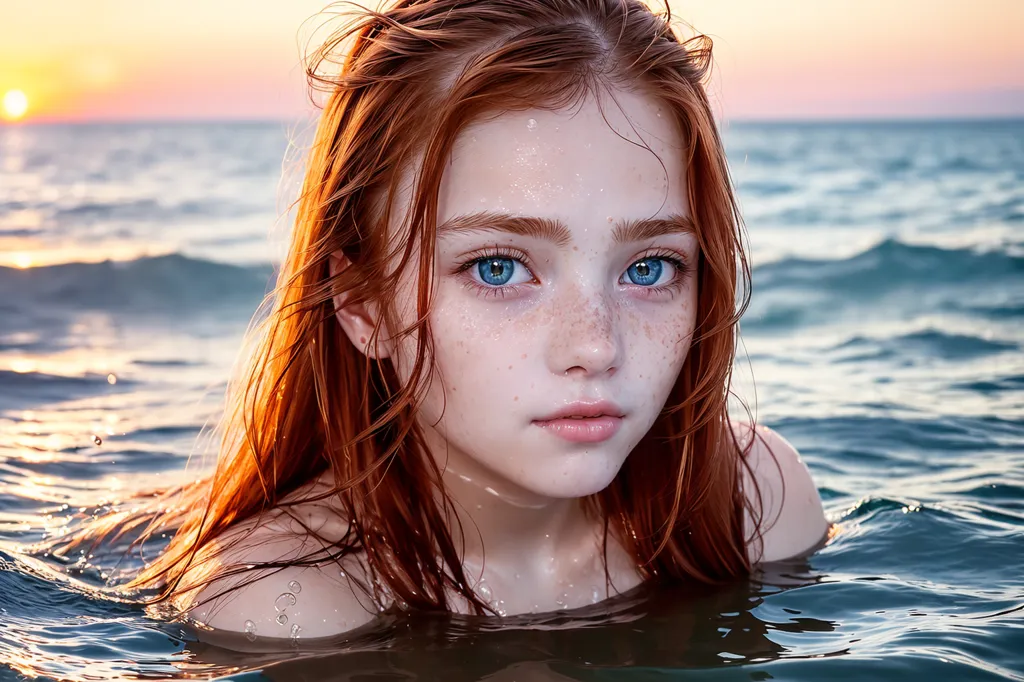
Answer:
[(408, 79)]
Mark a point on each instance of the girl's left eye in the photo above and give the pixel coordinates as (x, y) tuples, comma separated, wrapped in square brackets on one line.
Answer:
[(648, 272), (497, 271)]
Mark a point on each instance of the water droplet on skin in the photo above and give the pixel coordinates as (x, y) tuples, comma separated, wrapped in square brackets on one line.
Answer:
[(341, 573), (295, 587), (295, 631), (595, 595), (97, 440), (484, 590), (250, 630), (282, 619), (284, 600), (531, 124)]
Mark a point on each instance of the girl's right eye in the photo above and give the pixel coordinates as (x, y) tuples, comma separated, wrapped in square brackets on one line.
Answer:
[(497, 271)]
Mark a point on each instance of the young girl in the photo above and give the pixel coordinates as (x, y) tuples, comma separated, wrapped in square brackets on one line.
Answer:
[(495, 373)]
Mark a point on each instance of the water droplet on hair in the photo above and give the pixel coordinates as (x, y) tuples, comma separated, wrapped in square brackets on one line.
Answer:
[(341, 574), (282, 619), (531, 124), (97, 440), (284, 600), (250, 630), (484, 590), (295, 587)]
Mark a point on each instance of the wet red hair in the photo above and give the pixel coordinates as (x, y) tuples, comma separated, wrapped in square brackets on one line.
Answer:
[(410, 78)]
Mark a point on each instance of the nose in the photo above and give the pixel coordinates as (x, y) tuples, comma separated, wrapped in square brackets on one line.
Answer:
[(585, 338)]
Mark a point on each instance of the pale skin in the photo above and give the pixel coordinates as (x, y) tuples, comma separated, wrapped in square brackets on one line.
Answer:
[(588, 299)]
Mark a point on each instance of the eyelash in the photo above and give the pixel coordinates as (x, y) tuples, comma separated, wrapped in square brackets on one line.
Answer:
[(679, 264), (476, 257)]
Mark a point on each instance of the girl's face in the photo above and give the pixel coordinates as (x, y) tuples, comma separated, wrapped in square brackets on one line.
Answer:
[(565, 296)]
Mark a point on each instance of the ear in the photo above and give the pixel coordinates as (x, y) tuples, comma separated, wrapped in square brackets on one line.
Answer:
[(358, 320)]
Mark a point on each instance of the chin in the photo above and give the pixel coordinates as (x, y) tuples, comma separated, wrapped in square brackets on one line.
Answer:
[(584, 476)]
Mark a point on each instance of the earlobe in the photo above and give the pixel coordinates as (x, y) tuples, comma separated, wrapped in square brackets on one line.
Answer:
[(357, 319)]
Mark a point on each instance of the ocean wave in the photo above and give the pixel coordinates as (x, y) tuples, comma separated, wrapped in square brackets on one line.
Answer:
[(18, 389), (927, 343), (891, 280), (162, 284), (892, 264)]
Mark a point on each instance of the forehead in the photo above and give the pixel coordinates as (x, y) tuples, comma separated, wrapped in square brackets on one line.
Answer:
[(619, 157)]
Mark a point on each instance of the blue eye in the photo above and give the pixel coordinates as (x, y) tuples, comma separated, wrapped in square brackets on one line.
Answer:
[(645, 272), (496, 271)]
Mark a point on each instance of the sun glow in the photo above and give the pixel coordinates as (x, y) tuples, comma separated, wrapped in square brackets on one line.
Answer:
[(15, 104)]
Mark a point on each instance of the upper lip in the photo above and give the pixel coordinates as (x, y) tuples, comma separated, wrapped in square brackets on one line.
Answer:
[(599, 408)]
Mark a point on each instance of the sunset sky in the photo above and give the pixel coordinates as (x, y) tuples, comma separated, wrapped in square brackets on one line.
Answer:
[(87, 60)]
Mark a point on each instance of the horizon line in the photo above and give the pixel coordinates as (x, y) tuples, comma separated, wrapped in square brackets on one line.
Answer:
[(267, 120)]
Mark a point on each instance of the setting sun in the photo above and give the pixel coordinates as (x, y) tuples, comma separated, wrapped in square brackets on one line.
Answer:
[(15, 104)]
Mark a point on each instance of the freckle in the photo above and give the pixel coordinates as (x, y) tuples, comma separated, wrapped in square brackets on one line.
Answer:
[(515, 399), (575, 248), (524, 356), (610, 219), (510, 366), (362, 339)]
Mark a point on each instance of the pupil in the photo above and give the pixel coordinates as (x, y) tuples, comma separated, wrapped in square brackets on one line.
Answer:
[(497, 268), (643, 269)]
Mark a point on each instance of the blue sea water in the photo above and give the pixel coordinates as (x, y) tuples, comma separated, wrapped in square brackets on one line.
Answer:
[(884, 339)]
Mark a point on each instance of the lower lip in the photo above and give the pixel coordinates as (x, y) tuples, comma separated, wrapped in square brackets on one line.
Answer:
[(589, 430)]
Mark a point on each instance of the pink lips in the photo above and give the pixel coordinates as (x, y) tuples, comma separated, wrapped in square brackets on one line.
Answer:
[(584, 422)]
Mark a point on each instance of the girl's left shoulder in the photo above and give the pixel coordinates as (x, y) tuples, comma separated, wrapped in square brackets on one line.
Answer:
[(778, 482)]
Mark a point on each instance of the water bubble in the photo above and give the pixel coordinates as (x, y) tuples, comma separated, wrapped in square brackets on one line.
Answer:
[(484, 590), (284, 600), (111, 379), (595, 594), (295, 632), (250, 630), (97, 440), (282, 619), (501, 608), (295, 587), (531, 124)]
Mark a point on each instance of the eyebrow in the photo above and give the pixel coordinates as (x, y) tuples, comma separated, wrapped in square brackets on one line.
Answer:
[(555, 231)]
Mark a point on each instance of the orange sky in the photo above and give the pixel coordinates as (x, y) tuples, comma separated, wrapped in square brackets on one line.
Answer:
[(195, 59)]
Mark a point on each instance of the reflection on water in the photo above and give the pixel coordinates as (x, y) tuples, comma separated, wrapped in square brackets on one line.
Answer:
[(657, 629)]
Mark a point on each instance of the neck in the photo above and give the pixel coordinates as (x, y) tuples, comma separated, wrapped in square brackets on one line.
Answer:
[(512, 530)]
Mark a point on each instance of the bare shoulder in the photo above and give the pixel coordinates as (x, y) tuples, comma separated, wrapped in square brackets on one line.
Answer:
[(792, 520), (303, 601)]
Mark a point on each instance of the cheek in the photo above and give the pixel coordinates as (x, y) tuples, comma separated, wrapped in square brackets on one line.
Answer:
[(658, 339), (480, 357)]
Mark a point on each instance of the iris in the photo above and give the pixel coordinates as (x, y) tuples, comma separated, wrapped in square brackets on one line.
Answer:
[(496, 271), (645, 272)]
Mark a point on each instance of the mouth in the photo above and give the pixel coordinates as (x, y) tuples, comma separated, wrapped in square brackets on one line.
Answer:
[(583, 422)]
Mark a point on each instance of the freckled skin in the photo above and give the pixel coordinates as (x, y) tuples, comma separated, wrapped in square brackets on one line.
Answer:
[(575, 332)]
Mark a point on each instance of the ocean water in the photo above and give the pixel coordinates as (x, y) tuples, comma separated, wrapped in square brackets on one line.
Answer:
[(884, 340)]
